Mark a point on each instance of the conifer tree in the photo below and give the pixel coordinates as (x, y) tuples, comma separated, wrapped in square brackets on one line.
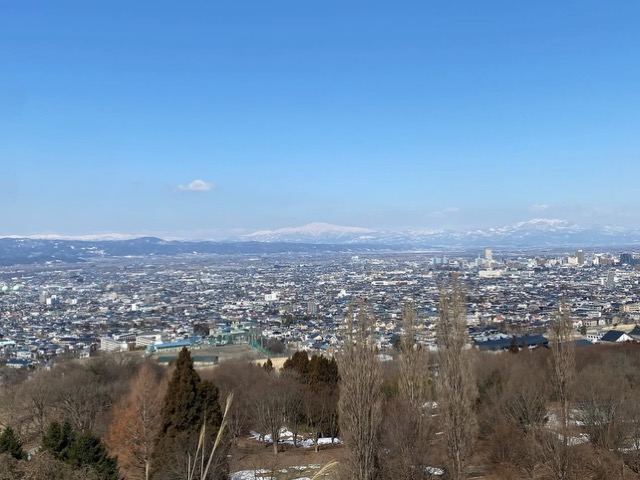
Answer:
[(188, 403), (57, 439), (87, 450), (9, 443), (299, 363), (268, 365), (321, 370), (180, 410), (80, 451)]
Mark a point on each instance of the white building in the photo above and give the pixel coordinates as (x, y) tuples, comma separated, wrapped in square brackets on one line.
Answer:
[(108, 344), (271, 297), (490, 273), (148, 339)]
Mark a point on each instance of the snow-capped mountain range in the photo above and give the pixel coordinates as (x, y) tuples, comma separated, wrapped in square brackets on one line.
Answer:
[(316, 238), (537, 232), (316, 232)]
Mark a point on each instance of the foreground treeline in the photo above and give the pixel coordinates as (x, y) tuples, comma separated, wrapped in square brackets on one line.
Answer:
[(550, 413)]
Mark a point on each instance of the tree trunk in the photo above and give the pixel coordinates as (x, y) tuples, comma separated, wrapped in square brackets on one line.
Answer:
[(456, 383), (360, 403)]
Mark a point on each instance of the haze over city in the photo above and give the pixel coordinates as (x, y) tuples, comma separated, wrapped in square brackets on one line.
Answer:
[(216, 120)]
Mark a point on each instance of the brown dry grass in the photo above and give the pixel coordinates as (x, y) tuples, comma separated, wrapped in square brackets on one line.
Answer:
[(251, 454)]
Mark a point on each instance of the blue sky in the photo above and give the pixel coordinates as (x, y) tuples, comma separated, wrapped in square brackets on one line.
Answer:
[(391, 115)]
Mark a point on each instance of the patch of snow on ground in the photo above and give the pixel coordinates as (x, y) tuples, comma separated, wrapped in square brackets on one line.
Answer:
[(579, 440), (286, 438), (302, 468), (435, 471), (250, 475), (261, 474), (573, 440)]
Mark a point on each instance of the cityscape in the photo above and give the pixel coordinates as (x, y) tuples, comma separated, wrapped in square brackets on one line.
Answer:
[(299, 300), (319, 240)]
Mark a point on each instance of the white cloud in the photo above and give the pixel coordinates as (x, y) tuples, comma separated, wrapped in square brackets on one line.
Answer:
[(539, 207), (197, 186), (444, 212)]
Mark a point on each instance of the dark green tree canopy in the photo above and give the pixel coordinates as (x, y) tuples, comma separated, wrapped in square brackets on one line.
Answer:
[(84, 450), (57, 439), (268, 365), (182, 411), (299, 363), (188, 404), (322, 370), (9, 443), (88, 450)]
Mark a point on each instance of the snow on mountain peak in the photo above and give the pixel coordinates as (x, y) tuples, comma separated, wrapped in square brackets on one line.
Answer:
[(313, 229), (97, 237), (542, 222), (539, 224)]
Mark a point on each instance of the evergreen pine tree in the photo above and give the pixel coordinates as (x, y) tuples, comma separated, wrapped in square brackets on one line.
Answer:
[(188, 403), (57, 439), (321, 370), (10, 444), (209, 401), (268, 365), (180, 412), (299, 363), (85, 450), (88, 450)]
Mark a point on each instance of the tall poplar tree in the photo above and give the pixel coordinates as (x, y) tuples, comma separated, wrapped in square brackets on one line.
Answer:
[(456, 384), (360, 404)]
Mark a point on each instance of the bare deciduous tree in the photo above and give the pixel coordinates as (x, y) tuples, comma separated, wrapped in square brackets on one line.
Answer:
[(293, 393), (601, 394), (320, 406), (82, 399), (135, 424), (269, 406), (408, 424), (32, 406), (414, 361), (240, 376), (631, 430), (360, 403), (456, 385), (525, 396), (562, 360), (559, 455), (406, 449)]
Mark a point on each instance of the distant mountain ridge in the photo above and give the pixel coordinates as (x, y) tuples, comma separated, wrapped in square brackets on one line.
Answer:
[(540, 232), (316, 232), (25, 251), (316, 238)]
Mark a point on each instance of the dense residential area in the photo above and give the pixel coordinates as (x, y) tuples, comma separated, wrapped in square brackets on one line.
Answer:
[(298, 302), (471, 365)]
